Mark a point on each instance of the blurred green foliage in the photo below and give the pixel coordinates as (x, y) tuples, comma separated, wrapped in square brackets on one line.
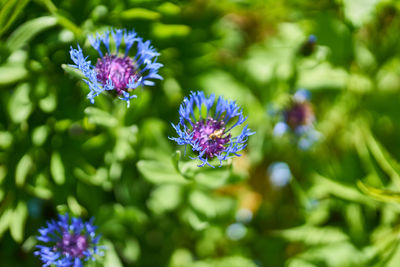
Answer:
[(153, 206)]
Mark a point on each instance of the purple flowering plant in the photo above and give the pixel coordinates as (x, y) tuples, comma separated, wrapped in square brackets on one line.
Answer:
[(68, 242), (118, 72), (206, 124), (298, 118)]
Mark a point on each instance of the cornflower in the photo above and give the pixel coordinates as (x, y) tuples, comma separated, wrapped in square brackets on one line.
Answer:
[(209, 135), (68, 242), (115, 72)]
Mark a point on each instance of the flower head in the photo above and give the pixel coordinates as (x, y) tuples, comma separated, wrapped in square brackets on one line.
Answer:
[(68, 242), (116, 71), (279, 174), (300, 113), (299, 118), (209, 134)]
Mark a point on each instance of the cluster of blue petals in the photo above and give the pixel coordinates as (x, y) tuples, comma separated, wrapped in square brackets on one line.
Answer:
[(145, 61), (57, 237), (306, 134), (224, 110)]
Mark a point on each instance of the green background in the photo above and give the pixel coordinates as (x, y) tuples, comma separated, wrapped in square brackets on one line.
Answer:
[(153, 206)]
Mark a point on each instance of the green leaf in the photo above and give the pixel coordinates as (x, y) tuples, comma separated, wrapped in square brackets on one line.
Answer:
[(181, 258), (23, 167), (90, 175), (5, 220), (232, 261), (12, 73), (39, 135), (169, 9), (338, 254), (111, 257), (96, 141), (323, 76), (27, 31), (39, 191), (165, 31), (165, 198), (210, 206), (379, 194), (100, 117), (383, 157), (19, 216), (9, 12), (298, 262), (57, 168), (324, 186), (139, 13), (312, 235), (176, 156), (49, 103), (159, 172), (213, 177), (194, 220), (3, 174), (73, 71), (20, 106), (75, 207), (129, 215), (359, 12), (131, 250), (6, 139)]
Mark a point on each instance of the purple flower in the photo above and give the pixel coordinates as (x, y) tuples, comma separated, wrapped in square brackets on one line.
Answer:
[(299, 118), (68, 242), (209, 134), (117, 72)]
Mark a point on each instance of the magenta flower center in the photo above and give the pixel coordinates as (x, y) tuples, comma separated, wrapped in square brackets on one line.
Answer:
[(73, 244), (119, 69), (209, 134), (299, 114)]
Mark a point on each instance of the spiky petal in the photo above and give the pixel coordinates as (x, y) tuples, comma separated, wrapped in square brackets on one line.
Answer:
[(68, 242), (209, 135), (113, 72)]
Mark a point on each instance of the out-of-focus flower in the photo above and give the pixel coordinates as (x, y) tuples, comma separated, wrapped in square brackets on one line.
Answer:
[(299, 118), (68, 242), (117, 72), (244, 215), (236, 231), (279, 174), (308, 47), (209, 134)]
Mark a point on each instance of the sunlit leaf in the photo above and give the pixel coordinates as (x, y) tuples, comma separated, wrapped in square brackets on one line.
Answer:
[(23, 168), (139, 13), (165, 198), (12, 73), (311, 235), (379, 194), (160, 172), (27, 31), (9, 13), (100, 117), (5, 219), (164, 31), (111, 257), (20, 106), (57, 168), (17, 227)]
